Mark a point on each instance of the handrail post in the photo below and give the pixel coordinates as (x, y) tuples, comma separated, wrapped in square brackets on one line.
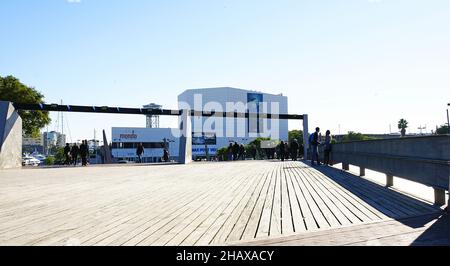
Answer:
[(389, 180), (439, 196), (345, 166), (362, 171)]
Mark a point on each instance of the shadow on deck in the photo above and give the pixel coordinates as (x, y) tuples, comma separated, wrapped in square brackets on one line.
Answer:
[(390, 202)]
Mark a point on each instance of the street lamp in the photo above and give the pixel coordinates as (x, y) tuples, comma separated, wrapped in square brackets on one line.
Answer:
[(448, 120)]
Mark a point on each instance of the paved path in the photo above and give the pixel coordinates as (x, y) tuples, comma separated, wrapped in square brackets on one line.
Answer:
[(195, 204)]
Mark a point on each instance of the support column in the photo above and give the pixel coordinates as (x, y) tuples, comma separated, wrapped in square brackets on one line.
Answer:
[(305, 137), (185, 149), (362, 171), (439, 196), (389, 180), (10, 137), (345, 166)]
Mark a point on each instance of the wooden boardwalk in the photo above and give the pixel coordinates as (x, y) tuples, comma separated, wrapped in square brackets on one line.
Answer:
[(196, 204)]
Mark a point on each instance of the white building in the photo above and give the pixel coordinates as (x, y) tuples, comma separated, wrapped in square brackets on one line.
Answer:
[(125, 141), (221, 131)]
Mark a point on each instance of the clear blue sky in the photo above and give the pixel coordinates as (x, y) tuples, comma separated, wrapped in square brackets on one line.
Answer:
[(361, 64)]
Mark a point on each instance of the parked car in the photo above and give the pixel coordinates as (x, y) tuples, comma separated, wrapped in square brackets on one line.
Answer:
[(28, 160), (40, 157)]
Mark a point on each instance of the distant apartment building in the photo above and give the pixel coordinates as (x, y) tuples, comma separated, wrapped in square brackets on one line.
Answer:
[(53, 139), (31, 145)]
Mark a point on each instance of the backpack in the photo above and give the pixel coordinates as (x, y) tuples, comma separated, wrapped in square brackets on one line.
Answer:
[(311, 139)]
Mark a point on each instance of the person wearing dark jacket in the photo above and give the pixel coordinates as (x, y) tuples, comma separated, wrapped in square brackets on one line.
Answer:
[(235, 151), (84, 153), (253, 151), (282, 151), (241, 152), (74, 153), (315, 142), (166, 156), (139, 152), (67, 154), (294, 150)]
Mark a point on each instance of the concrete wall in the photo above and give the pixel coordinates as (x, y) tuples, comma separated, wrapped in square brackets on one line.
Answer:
[(425, 160), (10, 137)]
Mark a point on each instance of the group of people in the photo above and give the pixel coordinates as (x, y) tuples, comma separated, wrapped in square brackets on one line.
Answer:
[(73, 153), (292, 150), (237, 152), (315, 140), (140, 152), (284, 151)]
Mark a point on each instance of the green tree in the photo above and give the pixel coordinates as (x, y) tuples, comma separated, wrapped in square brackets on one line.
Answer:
[(222, 154), (403, 125), (257, 144), (59, 156), (50, 160), (12, 90), (354, 136), (296, 134), (442, 130)]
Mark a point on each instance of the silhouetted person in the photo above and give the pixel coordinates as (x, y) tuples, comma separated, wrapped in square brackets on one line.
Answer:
[(294, 150), (253, 152), (235, 151), (315, 142), (67, 154), (241, 152), (327, 148), (282, 150), (230, 152), (74, 153), (139, 152), (84, 153), (166, 155), (88, 158)]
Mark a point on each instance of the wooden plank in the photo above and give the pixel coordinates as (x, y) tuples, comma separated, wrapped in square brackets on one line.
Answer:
[(240, 226), (307, 212), (339, 211), (276, 215), (266, 214), (219, 222), (252, 226), (394, 201), (362, 210), (323, 218), (298, 220), (287, 226)]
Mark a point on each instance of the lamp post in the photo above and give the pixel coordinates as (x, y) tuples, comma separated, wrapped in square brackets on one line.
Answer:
[(448, 120)]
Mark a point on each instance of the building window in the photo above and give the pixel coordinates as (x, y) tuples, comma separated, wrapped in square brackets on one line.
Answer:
[(134, 145)]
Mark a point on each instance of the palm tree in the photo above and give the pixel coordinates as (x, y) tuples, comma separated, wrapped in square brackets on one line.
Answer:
[(403, 125)]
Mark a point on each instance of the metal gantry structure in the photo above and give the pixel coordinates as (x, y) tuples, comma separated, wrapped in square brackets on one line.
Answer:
[(147, 111)]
